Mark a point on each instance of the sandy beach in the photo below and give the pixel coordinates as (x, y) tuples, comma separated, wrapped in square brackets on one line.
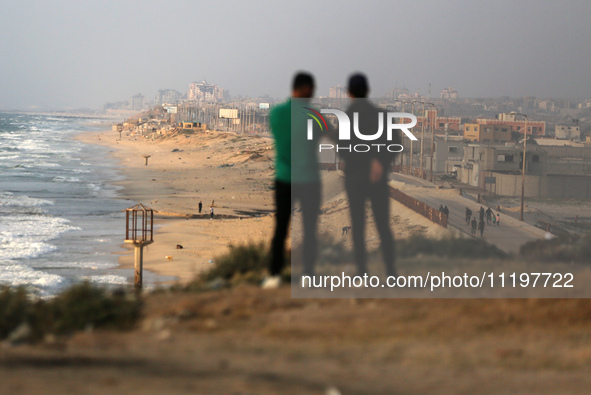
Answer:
[(233, 172)]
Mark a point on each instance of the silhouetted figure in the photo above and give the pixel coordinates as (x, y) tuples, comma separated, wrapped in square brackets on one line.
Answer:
[(366, 175), (481, 227), (446, 211), (468, 215), (481, 212), (489, 214), (441, 208), (498, 219), (211, 212), (200, 206), (297, 176), (474, 225)]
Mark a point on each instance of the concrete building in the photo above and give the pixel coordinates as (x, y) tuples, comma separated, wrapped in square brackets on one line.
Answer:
[(167, 96), (204, 91), (338, 92), (449, 94), (550, 171), (431, 119), (567, 132), (537, 128), (137, 102), (487, 133)]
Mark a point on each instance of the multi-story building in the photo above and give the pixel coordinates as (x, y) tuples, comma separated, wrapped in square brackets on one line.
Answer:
[(137, 102), (168, 96), (431, 120), (565, 132), (449, 94), (537, 128), (487, 133), (204, 91), (338, 92)]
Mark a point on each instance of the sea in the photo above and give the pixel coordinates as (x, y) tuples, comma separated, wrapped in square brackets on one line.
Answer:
[(61, 217)]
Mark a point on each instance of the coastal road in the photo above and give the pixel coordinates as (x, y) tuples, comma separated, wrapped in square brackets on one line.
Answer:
[(509, 236)]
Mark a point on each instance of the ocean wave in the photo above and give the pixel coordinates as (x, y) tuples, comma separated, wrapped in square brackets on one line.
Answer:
[(66, 179), (8, 199), (15, 275), (27, 236), (110, 279)]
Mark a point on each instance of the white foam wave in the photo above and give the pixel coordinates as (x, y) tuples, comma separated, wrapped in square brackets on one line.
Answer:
[(7, 199), (27, 236), (66, 179), (110, 279)]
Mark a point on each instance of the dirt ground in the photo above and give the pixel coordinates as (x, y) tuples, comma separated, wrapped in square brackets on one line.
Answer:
[(251, 341)]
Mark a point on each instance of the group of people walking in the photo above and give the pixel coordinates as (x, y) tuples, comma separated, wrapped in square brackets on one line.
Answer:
[(491, 219)]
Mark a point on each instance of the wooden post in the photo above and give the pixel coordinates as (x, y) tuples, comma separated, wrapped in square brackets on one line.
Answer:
[(147, 156), (139, 265)]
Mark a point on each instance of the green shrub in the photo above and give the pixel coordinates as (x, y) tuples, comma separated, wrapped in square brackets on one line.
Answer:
[(15, 308), (449, 247), (240, 260), (559, 249), (77, 308), (83, 306)]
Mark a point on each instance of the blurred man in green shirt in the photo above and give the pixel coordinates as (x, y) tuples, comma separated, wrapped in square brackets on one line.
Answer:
[(297, 176)]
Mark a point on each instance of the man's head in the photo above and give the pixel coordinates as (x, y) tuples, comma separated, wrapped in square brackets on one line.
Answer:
[(303, 86), (358, 86)]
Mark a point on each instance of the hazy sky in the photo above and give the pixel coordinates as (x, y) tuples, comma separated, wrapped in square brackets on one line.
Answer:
[(73, 53)]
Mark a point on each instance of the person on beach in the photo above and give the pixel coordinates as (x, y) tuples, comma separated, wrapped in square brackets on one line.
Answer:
[(211, 212), (297, 176), (366, 177), (200, 206), (474, 225), (498, 219), (481, 227)]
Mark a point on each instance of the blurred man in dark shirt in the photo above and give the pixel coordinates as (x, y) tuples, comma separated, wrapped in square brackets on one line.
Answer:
[(366, 174)]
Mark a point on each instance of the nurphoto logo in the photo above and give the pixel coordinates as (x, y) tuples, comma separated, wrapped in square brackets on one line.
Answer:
[(344, 129)]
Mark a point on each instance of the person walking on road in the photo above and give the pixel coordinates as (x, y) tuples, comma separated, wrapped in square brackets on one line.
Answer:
[(481, 227), (468, 215), (488, 216), (474, 224), (494, 219), (446, 211), (498, 219), (481, 212)]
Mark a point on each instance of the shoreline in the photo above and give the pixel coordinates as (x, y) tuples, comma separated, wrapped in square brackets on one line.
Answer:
[(241, 212)]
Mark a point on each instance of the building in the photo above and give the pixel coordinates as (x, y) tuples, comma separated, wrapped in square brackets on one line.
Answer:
[(204, 91), (167, 96), (338, 92), (537, 128), (550, 171), (487, 133), (137, 102), (449, 94), (565, 132), (439, 123)]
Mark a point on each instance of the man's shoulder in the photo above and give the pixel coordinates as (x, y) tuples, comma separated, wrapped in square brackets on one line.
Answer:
[(281, 107)]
